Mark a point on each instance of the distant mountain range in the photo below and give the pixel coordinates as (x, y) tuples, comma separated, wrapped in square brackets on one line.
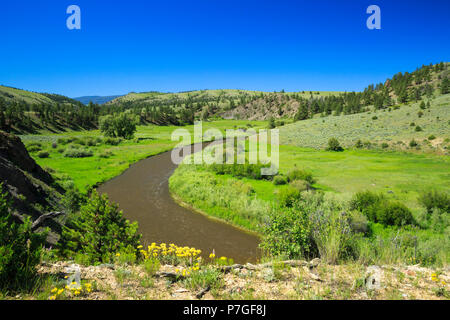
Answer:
[(96, 99)]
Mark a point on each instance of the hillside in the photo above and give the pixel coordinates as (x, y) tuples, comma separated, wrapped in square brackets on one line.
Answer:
[(396, 126), (31, 189), (11, 95)]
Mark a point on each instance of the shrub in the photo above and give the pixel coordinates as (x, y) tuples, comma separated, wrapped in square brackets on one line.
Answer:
[(364, 199), (100, 232), (378, 209), (358, 144), (300, 185), (20, 250), (287, 197), (384, 145), (279, 180), (334, 145), (418, 129), (43, 154), (359, 223), (112, 141), (297, 174), (432, 137), (374, 118), (78, 153), (393, 214), (33, 148), (434, 199), (288, 234), (413, 143), (106, 154)]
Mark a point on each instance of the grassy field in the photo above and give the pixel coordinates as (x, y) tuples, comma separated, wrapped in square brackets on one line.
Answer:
[(390, 127), (400, 176), (109, 161)]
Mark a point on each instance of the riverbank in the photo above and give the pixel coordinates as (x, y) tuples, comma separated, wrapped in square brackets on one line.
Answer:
[(295, 280)]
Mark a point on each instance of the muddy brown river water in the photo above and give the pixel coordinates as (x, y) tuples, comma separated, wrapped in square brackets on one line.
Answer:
[(142, 192)]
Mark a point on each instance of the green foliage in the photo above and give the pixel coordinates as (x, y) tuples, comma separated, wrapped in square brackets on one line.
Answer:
[(288, 234), (20, 250), (120, 125), (334, 145), (378, 209), (43, 154), (434, 199), (252, 171), (74, 152), (298, 174), (287, 197), (271, 124), (279, 180), (99, 231), (300, 185), (205, 278)]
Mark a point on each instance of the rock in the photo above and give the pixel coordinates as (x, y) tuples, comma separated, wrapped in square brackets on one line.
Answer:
[(107, 265), (29, 185), (373, 278), (314, 263)]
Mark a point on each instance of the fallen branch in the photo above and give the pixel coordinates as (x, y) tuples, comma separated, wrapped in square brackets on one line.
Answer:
[(39, 221)]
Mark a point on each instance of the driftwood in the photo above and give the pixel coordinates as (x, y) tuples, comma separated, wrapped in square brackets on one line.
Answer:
[(202, 292), (249, 266), (39, 221)]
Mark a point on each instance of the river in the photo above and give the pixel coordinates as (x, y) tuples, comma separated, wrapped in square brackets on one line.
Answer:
[(142, 192)]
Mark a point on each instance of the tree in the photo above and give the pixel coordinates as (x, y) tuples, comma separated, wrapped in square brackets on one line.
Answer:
[(99, 231), (122, 125), (271, 123), (445, 86), (334, 145), (302, 113)]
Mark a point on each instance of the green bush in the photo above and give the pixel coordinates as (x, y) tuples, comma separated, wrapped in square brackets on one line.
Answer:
[(252, 171), (78, 153), (384, 145), (413, 143), (99, 232), (392, 214), (20, 250), (378, 209), (300, 185), (287, 197), (43, 154), (434, 199), (288, 234), (297, 174), (279, 180), (334, 145), (112, 141)]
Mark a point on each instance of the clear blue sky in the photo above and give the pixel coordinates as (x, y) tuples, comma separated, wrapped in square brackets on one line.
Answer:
[(144, 45)]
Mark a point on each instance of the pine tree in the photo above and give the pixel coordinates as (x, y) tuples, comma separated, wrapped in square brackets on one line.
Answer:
[(99, 231)]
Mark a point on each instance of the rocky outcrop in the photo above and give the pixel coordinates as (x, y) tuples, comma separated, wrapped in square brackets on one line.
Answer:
[(31, 188)]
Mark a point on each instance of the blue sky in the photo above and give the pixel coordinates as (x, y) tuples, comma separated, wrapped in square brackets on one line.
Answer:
[(145, 45)]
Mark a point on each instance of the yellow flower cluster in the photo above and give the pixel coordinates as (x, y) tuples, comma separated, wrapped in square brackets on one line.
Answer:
[(187, 272), (163, 250), (73, 289), (434, 277)]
